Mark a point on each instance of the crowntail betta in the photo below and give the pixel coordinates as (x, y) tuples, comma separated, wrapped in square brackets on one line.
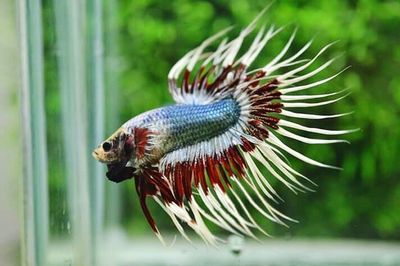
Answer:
[(200, 159)]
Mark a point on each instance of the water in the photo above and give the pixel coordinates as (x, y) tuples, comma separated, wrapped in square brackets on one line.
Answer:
[(65, 194)]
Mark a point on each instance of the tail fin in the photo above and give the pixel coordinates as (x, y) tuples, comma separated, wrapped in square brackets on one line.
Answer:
[(222, 170)]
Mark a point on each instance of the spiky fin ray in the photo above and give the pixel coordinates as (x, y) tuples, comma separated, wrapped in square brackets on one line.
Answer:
[(205, 181)]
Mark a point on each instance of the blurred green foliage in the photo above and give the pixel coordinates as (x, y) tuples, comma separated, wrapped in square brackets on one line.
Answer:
[(362, 200)]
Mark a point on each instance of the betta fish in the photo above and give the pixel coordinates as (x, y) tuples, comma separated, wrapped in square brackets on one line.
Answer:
[(204, 159)]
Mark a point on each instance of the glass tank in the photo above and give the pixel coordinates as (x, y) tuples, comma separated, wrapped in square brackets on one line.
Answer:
[(84, 67)]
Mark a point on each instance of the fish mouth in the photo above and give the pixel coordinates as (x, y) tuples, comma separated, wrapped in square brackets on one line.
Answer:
[(96, 155)]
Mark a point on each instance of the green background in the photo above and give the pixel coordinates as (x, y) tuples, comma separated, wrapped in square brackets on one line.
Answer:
[(148, 37)]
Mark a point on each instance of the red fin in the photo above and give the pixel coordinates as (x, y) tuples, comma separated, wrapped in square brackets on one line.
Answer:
[(185, 84), (247, 145), (220, 78), (236, 161), (226, 164), (177, 182), (187, 180), (201, 176), (141, 139), (144, 189), (221, 173), (153, 183), (218, 169), (213, 173), (153, 176)]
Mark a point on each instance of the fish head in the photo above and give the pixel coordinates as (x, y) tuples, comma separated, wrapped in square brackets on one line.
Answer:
[(116, 149)]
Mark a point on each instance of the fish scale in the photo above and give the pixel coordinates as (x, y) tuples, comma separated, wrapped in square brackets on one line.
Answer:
[(183, 125)]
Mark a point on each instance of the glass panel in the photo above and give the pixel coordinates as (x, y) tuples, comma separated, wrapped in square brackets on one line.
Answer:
[(64, 211), (10, 148), (34, 132)]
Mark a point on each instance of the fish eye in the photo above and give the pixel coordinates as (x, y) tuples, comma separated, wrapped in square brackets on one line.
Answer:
[(106, 146)]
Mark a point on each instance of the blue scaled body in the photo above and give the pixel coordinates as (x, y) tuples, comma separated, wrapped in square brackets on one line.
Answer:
[(183, 125)]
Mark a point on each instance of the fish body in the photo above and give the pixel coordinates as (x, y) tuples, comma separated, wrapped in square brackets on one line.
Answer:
[(201, 158), (173, 127)]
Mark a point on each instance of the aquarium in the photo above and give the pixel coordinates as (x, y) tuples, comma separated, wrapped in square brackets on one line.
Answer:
[(73, 71)]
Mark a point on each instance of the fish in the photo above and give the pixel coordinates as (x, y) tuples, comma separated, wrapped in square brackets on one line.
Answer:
[(204, 159)]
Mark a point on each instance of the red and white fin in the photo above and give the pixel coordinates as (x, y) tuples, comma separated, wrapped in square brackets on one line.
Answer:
[(210, 180)]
